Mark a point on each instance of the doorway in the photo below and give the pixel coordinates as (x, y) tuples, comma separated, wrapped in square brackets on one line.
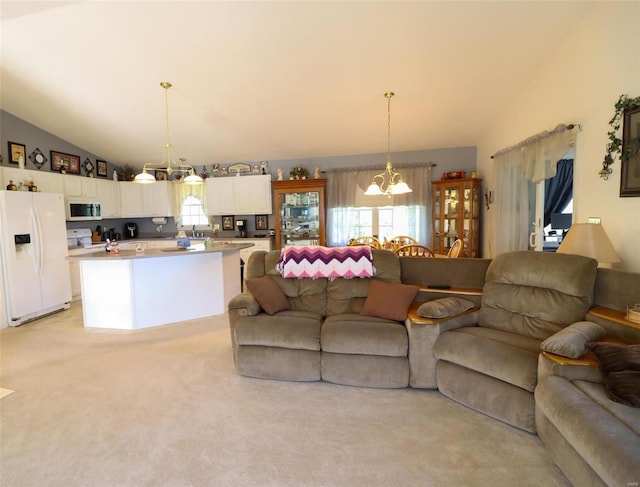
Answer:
[(551, 207)]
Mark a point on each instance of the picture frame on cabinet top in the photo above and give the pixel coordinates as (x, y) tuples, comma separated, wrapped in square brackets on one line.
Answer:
[(17, 151), (102, 168), (61, 162)]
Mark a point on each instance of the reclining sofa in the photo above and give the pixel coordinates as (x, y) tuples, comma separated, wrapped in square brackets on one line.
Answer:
[(503, 357), (322, 335)]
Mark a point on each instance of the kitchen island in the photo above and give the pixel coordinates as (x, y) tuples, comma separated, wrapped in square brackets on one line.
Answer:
[(133, 290)]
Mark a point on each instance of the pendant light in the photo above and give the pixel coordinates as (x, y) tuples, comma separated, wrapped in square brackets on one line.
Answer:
[(388, 182), (168, 163)]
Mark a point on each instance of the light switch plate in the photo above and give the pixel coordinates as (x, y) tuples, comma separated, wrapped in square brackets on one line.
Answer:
[(594, 220)]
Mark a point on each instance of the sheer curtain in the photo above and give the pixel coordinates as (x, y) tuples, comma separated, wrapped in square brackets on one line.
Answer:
[(534, 159), (182, 191), (346, 187)]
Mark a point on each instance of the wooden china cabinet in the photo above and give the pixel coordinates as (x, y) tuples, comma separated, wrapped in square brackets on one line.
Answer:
[(300, 212), (456, 215)]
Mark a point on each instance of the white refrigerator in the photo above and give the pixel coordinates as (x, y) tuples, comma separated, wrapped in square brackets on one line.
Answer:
[(33, 248)]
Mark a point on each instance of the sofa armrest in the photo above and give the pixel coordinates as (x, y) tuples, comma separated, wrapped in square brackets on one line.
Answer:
[(244, 305), (423, 333), (584, 367)]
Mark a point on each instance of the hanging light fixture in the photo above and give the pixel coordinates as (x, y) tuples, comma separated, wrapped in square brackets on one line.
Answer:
[(388, 182), (168, 164)]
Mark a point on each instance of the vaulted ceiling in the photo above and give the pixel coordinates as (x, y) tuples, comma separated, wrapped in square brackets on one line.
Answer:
[(271, 80)]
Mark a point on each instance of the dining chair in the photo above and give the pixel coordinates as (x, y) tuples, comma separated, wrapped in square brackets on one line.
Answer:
[(373, 242), (401, 240), (414, 250), (455, 250)]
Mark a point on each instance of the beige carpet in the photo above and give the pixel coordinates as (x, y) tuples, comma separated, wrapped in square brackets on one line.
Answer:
[(164, 407)]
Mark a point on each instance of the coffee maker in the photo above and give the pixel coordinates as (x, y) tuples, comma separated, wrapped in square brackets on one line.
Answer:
[(242, 228), (131, 230)]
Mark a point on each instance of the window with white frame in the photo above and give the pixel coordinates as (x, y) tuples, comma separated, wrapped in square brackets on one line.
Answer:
[(192, 213), (383, 222)]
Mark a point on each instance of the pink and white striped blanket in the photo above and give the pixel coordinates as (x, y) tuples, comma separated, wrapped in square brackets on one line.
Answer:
[(329, 262)]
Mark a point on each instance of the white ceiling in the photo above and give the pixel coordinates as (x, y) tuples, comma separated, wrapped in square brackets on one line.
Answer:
[(270, 80)]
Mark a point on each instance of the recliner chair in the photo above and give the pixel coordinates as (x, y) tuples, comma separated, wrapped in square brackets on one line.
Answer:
[(527, 297)]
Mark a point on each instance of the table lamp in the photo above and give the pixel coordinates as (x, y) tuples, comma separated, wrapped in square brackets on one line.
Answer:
[(590, 240)]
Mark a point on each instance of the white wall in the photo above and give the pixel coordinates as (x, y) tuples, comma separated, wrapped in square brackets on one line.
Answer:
[(582, 79)]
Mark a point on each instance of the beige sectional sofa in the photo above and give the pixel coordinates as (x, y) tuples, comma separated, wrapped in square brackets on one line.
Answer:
[(488, 357)]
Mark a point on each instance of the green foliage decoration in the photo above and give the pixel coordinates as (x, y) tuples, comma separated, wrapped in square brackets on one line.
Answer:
[(615, 143)]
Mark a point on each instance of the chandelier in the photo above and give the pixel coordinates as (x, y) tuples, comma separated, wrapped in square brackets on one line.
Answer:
[(388, 182), (168, 164)]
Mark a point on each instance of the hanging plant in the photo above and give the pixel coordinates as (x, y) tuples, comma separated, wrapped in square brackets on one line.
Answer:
[(615, 143), (614, 147)]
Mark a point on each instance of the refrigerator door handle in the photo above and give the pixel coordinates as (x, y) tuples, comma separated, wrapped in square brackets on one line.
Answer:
[(38, 243)]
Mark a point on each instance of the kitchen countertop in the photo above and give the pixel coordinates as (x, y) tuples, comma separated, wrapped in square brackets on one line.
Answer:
[(128, 254)]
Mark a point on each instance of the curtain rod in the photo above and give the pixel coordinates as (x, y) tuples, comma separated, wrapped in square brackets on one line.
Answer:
[(374, 168), (535, 138)]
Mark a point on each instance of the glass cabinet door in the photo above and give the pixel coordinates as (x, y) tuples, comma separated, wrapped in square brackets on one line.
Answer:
[(456, 215), (299, 218), (299, 212)]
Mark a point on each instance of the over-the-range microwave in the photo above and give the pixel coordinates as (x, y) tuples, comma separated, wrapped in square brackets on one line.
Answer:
[(82, 209)]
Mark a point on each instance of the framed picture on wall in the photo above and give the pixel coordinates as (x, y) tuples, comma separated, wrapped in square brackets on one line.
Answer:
[(17, 152), (630, 174), (262, 222), (227, 222), (61, 162), (102, 168)]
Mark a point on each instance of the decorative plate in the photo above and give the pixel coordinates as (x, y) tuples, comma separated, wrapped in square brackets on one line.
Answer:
[(38, 158)]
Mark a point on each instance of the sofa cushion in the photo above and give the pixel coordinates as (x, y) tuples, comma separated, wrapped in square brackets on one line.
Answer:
[(268, 294), (607, 445), (536, 294), (572, 341), (355, 334), (620, 365), (444, 307), (287, 329), (349, 295), (389, 300), (506, 356)]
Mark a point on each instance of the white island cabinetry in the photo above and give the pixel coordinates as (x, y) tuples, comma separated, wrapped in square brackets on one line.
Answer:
[(129, 291)]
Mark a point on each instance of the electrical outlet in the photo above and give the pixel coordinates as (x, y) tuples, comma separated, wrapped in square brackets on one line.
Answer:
[(594, 220)]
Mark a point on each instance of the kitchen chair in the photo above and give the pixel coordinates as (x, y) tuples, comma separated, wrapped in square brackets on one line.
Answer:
[(400, 240), (455, 250), (414, 250), (373, 242)]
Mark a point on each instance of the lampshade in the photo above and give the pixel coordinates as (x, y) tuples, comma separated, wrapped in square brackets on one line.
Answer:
[(388, 182), (168, 163), (144, 178), (590, 240)]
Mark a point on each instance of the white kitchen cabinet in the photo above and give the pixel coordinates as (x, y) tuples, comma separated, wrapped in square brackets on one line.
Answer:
[(46, 181), (146, 200), (239, 195), (258, 244), (74, 268), (79, 187), (108, 194)]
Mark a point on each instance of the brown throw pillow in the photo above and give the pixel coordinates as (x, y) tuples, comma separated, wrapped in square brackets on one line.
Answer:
[(620, 366), (268, 294), (389, 300)]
